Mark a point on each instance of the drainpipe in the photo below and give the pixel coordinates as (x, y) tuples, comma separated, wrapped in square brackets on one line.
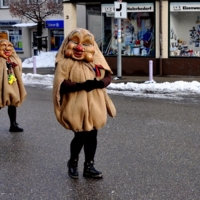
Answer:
[(160, 36)]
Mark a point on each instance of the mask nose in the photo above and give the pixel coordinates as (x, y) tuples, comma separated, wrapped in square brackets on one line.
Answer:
[(7, 47), (79, 47)]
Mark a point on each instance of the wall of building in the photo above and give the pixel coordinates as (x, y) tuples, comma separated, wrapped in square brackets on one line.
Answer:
[(157, 30), (165, 24), (27, 32), (74, 15), (81, 18), (70, 17)]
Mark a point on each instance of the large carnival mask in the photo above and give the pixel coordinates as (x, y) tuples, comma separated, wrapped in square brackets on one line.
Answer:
[(6, 49), (80, 45)]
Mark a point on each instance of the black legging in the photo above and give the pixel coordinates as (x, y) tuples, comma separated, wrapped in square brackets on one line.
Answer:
[(86, 139), (12, 113)]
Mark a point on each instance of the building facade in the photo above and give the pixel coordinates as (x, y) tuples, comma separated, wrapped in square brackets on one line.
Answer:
[(166, 32), (23, 34)]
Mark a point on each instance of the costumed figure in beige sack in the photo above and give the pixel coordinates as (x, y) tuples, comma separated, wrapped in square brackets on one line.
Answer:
[(12, 91), (81, 103)]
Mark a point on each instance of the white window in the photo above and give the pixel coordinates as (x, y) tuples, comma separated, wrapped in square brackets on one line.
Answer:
[(34, 1), (4, 3), (40, 1), (58, 1)]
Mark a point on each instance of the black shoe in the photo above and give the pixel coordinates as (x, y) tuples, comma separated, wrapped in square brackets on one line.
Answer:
[(73, 168), (90, 171), (15, 128)]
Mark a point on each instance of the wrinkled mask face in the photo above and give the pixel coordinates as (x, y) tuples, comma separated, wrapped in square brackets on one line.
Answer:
[(80, 46), (6, 49)]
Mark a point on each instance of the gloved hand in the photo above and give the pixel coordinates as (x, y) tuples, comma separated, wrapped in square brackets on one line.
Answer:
[(89, 85), (98, 84), (93, 84)]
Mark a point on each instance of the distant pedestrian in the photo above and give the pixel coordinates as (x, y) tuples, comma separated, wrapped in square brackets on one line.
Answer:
[(80, 100), (12, 89)]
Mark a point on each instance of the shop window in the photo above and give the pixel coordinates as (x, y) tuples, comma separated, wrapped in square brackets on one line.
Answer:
[(137, 30), (15, 37), (184, 29), (57, 37)]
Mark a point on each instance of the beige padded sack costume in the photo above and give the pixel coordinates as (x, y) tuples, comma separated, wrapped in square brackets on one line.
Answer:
[(11, 94), (81, 110)]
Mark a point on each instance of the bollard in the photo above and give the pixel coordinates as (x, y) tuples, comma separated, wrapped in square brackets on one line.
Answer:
[(34, 65), (150, 73), (150, 70)]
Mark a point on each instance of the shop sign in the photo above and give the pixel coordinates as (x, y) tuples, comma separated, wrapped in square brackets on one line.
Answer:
[(110, 15), (136, 7), (54, 24), (120, 10), (5, 23), (107, 8), (185, 7), (4, 35)]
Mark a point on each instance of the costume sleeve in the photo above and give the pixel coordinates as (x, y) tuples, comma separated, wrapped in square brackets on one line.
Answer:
[(68, 86), (107, 79)]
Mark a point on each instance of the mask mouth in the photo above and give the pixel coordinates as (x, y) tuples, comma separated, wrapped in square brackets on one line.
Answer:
[(78, 54), (7, 53)]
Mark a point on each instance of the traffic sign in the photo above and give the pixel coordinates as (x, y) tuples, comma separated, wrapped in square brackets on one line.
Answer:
[(120, 10)]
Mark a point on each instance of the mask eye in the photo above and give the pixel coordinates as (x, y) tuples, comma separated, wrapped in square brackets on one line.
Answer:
[(86, 44), (3, 45), (75, 42), (74, 39)]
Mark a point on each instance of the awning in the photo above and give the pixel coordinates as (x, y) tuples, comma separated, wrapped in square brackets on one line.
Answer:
[(24, 25)]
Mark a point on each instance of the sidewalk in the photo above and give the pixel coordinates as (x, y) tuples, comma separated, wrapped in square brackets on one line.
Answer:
[(157, 79), (125, 79)]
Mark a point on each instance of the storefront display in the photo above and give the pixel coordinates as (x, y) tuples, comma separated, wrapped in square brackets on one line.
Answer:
[(137, 30), (56, 29), (57, 37), (15, 37), (184, 29), (15, 34)]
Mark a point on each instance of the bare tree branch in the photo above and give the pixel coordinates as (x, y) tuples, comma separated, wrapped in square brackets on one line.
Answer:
[(36, 11)]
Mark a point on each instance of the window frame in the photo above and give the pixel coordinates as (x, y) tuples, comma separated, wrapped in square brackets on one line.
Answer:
[(2, 4), (58, 1), (183, 47), (135, 49)]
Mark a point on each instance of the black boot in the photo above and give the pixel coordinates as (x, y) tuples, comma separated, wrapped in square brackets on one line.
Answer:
[(15, 128), (90, 171), (73, 168)]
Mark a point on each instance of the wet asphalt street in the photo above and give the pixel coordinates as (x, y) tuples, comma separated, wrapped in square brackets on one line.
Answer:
[(150, 151)]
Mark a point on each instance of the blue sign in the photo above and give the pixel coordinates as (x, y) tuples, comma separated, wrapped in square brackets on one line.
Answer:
[(54, 24), (8, 23)]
